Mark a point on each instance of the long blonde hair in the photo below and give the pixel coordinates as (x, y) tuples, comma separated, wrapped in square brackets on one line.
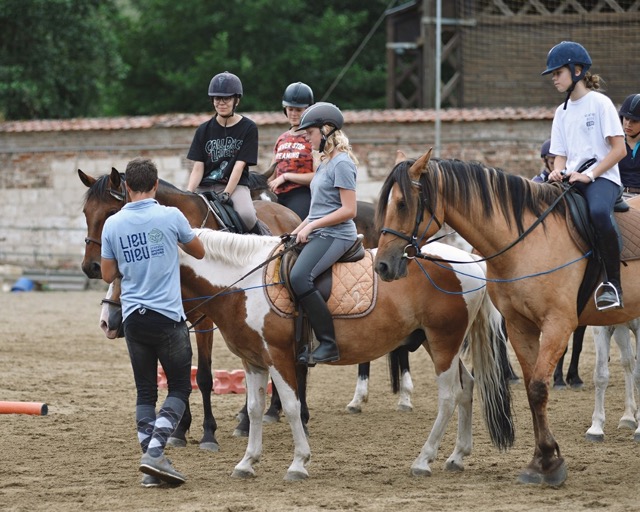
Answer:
[(336, 141)]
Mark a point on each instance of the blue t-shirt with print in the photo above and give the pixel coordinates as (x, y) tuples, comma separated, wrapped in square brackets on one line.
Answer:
[(143, 238)]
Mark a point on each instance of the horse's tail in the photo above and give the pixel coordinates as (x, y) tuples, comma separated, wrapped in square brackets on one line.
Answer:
[(491, 380)]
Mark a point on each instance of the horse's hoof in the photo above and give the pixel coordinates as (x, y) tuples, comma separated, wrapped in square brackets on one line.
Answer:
[(240, 433), (210, 446), (404, 408), (594, 438), (243, 473), (575, 382), (530, 477), (453, 466), (627, 423), (560, 386), (176, 442), (636, 437), (420, 472), (354, 409), (295, 476), (557, 477), (271, 418)]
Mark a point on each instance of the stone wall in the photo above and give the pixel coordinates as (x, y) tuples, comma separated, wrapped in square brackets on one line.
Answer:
[(41, 219)]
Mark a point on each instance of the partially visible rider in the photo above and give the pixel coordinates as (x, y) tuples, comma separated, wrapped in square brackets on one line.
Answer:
[(630, 164), (547, 160)]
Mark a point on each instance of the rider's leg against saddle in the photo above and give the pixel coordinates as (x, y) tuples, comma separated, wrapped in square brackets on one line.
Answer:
[(243, 204), (321, 321)]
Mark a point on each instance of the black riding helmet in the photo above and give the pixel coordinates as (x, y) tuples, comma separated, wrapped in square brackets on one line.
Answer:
[(321, 114), (630, 108), (298, 95), (544, 150), (225, 84)]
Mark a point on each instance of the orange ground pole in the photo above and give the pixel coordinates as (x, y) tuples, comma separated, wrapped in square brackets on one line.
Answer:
[(35, 408)]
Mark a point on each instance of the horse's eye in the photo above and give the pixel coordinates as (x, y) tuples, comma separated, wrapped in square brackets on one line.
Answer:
[(401, 205)]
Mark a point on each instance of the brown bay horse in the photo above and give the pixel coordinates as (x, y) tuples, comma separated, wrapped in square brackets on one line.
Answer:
[(106, 196), (533, 276)]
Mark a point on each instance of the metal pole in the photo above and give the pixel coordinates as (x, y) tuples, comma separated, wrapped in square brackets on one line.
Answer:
[(438, 75)]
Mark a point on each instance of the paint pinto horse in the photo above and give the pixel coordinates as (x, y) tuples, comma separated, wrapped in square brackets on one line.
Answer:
[(448, 309), (492, 211), (106, 196)]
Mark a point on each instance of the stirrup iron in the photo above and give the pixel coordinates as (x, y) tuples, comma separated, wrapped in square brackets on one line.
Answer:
[(608, 288)]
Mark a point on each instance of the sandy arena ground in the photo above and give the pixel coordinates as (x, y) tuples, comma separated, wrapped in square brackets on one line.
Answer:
[(83, 455)]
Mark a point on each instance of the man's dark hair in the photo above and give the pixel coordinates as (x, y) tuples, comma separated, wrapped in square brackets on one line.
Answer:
[(141, 174)]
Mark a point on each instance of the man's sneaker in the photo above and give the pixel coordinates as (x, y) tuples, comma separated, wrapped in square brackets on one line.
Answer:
[(161, 468), (609, 298), (150, 481)]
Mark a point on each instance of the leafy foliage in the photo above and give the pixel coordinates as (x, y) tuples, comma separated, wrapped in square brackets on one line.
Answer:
[(57, 58), (65, 58)]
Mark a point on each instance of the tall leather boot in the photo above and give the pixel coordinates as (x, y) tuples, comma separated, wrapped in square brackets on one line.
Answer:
[(609, 293), (321, 321)]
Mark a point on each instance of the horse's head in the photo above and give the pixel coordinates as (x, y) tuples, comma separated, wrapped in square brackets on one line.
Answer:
[(104, 198), (404, 216), (111, 312)]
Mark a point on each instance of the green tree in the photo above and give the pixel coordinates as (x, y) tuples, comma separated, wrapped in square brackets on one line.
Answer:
[(174, 48), (58, 58)]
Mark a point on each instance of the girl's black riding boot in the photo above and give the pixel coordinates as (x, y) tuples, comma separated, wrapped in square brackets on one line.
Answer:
[(321, 321), (611, 259)]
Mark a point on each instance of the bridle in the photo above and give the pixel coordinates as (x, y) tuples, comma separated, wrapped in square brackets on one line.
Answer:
[(412, 250), (118, 194)]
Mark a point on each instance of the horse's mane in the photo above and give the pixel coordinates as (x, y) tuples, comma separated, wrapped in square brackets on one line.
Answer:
[(231, 248), (476, 189)]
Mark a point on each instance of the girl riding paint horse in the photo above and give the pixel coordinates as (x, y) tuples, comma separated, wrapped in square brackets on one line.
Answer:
[(521, 229), (449, 308)]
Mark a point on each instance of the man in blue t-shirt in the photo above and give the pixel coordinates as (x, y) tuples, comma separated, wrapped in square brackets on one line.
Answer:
[(140, 246)]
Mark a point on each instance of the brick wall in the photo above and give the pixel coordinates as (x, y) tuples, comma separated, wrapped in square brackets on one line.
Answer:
[(41, 220)]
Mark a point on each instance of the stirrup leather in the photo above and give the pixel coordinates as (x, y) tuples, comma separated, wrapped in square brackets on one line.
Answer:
[(608, 287)]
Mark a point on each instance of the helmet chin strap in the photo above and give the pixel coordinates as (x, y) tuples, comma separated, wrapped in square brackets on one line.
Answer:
[(323, 142), (569, 91)]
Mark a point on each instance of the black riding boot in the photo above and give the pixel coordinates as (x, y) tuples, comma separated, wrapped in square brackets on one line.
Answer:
[(609, 293), (321, 321)]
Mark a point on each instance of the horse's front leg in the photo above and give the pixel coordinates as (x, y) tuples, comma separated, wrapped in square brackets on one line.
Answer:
[(405, 389), (361, 395), (204, 378), (627, 359), (601, 341), (292, 410), (449, 392), (573, 375), (257, 380), (547, 465), (464, 442)]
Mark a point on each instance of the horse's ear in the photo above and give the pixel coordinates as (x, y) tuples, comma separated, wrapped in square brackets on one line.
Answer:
[(400, 157), (86, 179), (115, 177), (420, 166)]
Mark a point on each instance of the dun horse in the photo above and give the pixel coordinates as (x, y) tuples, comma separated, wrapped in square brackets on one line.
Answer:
[(533, 276), (448, 309)]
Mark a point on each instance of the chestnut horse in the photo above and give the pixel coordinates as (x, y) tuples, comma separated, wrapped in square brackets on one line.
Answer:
[(453, 306), (106, 196), (534, 271)]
